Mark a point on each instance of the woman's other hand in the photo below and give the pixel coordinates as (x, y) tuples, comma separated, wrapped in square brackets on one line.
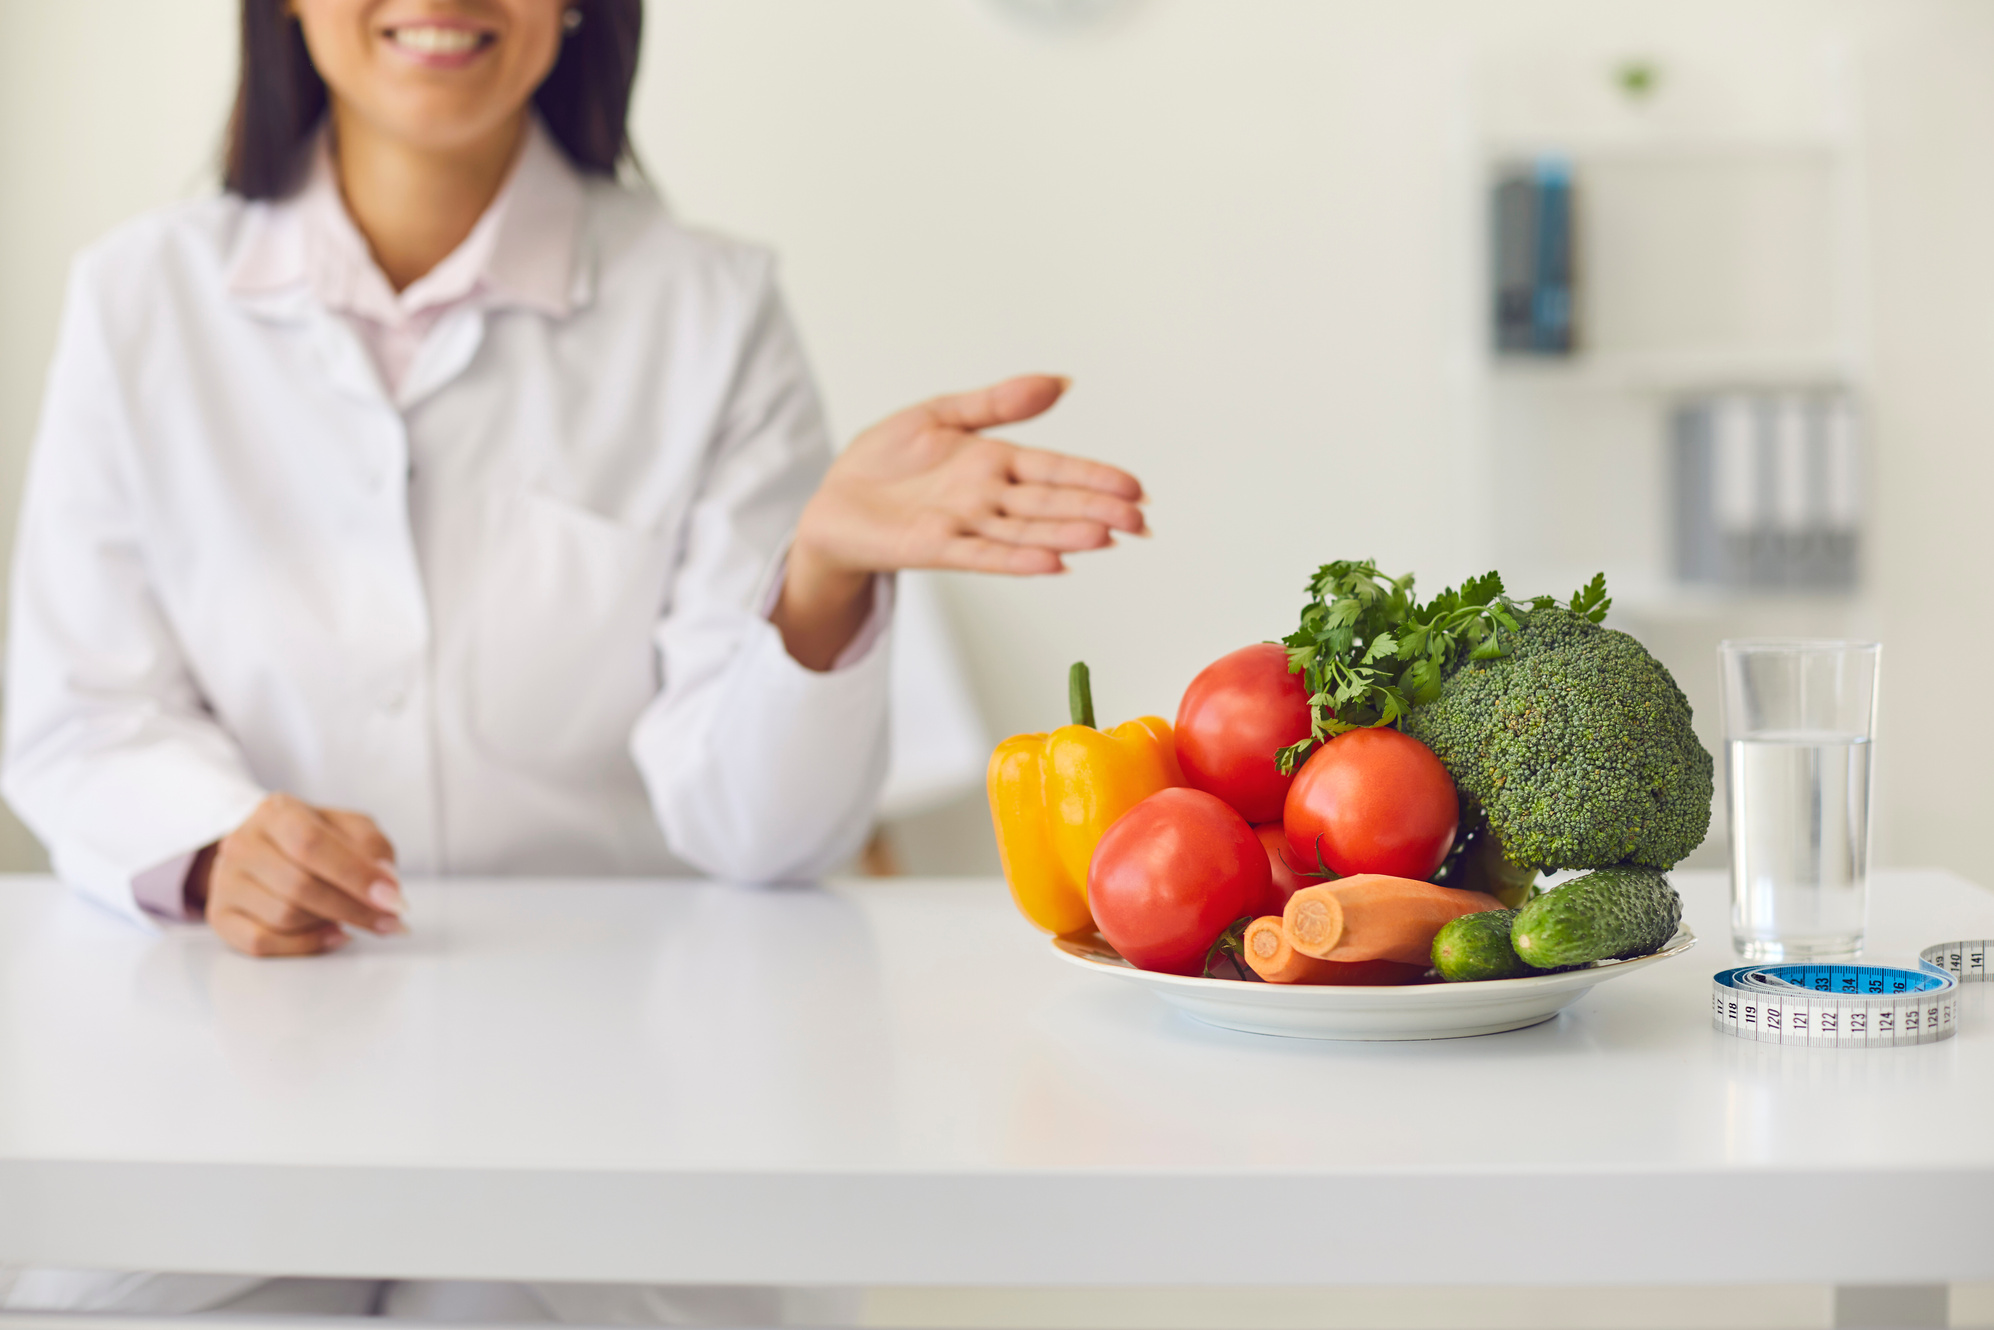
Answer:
[(926, 489), (290, 879)]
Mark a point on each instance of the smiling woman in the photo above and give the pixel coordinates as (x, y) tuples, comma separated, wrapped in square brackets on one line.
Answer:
[(576, 62), (280, 98), (431, 501), (479, 517)]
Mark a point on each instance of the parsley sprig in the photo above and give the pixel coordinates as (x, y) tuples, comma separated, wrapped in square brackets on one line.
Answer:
[(1369, 650)]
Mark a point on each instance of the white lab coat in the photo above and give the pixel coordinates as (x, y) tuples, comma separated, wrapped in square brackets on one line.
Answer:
[(516, 616)]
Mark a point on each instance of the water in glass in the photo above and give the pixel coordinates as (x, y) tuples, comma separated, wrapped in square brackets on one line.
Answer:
[(1799, 807)]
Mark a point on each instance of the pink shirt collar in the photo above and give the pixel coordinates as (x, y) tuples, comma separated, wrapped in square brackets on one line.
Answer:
[(522, 252)]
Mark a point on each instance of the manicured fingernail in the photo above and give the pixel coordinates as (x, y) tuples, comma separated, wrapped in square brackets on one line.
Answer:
[(386, 868), (388, 897), (335, 939), (388, 926)]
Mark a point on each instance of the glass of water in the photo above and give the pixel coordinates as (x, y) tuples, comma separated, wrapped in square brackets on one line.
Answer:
[(1799, 718)]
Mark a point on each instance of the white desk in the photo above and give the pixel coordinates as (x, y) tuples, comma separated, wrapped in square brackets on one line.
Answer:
[(897, 1083)]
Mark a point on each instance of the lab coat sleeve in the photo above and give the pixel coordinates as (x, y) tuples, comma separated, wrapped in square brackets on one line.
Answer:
[(758, 768), (110, 755)]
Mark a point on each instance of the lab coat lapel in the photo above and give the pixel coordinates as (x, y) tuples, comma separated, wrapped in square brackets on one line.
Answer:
[(347, 364), (453, 343), (340, 352), (446, 353)]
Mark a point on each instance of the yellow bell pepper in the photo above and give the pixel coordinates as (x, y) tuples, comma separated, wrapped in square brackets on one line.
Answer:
[(1052, 795)]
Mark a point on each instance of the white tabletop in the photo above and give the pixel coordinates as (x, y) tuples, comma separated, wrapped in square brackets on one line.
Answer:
[(898, 1082)]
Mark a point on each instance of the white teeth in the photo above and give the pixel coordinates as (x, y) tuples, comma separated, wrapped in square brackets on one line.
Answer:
[(431, 40)]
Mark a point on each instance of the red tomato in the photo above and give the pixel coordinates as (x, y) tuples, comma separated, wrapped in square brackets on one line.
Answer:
[(1283, 880), (1170, 874), (1236, 713), (1374, 801)]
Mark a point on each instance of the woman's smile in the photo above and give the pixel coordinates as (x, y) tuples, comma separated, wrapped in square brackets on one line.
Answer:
[(439, 45)]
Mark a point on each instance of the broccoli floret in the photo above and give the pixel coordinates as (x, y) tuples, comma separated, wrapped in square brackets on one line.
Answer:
[(1576, 747)]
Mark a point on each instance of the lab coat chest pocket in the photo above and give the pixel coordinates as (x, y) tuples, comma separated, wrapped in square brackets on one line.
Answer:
[(563, 653)]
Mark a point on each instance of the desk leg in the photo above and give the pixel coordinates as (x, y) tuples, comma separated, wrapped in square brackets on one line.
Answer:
[(1891, 1306)]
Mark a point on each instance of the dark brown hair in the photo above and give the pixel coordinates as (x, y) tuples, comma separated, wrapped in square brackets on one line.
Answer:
[(280, 98)]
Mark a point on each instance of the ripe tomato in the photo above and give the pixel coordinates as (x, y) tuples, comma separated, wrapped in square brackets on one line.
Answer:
[(1169, 876), (1236, 713), (1283, 880), (1374, 801)]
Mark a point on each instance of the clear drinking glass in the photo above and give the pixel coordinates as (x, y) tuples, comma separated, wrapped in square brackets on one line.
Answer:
[(1799, 718)]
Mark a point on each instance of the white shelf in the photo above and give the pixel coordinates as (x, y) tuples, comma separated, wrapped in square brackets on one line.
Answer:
[(1580, 146), (1682, 603), (1678, 371)]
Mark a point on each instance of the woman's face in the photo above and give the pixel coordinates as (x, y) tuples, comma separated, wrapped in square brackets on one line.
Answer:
[(435, 74)]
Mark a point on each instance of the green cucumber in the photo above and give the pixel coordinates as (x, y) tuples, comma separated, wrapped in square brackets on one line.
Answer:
[(1476, 946), (1610, 913)]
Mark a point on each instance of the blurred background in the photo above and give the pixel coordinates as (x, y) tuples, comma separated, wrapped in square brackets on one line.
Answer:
[(1698, 292)]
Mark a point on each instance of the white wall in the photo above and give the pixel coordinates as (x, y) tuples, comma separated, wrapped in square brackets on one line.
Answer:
[(107, 107), (1244, 229)]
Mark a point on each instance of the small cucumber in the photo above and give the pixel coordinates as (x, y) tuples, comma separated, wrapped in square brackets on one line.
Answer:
[(1476, 946), (1609, 913)]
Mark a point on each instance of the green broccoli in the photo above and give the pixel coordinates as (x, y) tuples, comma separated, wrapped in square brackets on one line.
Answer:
[(1575, 746)]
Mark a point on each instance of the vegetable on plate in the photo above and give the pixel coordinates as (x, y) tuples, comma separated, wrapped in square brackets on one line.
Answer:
[(1170, 875), (1052, 796), (1283, 878), (1372, 917), (1372, 801), (1265, 947), (1609, 914), (1476, 946), (1240, 711), (1575, 748)]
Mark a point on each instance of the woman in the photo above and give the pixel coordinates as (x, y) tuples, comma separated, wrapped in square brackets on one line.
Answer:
[(431, 473)]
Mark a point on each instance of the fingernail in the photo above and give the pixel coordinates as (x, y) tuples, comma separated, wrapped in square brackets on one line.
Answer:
[(334, 939), (386, 868), (388, 897), (388, 926)]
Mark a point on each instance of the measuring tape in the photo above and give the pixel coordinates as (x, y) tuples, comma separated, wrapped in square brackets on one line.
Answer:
[(1825, 1005)]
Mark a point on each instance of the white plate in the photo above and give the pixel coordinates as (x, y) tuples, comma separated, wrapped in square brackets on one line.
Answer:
[(1328, 1011)]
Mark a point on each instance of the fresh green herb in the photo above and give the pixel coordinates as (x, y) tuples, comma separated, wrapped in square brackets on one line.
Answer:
[(1369, 651), (1590, 602)]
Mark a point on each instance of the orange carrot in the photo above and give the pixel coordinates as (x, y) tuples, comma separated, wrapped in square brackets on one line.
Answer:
[(1370, 916), (1275, 960), (1312, 921)]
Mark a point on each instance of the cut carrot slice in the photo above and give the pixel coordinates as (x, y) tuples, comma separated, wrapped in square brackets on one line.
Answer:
[(1371, 917), (1275, 959), (1313, 921)]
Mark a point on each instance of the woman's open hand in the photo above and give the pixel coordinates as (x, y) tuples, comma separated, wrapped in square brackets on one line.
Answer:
[(287, 880), (926, 489)]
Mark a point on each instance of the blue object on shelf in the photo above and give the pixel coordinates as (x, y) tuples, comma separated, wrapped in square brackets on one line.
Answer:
[(1531, 263)]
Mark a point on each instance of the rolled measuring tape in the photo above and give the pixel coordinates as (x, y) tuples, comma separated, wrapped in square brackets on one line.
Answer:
[(1823, 1004)]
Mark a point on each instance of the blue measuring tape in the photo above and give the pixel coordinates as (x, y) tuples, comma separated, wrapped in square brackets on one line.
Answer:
[(1842, 1005)]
